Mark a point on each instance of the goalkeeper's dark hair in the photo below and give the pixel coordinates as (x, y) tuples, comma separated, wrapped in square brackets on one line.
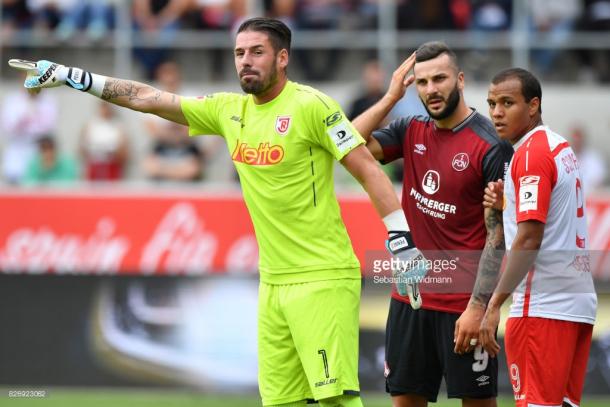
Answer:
[(433, 49), (530, 85), (278, 32)]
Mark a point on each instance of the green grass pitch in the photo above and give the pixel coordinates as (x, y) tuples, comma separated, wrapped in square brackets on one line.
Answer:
[(155, 398)]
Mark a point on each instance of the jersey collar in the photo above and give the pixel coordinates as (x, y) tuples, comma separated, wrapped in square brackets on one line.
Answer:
[(529, 134)]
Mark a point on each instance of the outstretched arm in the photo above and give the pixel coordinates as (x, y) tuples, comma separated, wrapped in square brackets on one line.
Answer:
[(143, 98), (131, 94)]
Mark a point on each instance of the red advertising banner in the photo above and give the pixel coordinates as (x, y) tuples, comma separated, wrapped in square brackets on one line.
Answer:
[(175, 233), (144, 233)]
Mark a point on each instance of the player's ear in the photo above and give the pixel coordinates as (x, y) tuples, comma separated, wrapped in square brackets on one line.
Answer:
[(283, 58), (534, 106), (460, 80)]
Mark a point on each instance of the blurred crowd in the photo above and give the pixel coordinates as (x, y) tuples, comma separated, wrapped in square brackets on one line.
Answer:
[(94, 20), (31, 152)]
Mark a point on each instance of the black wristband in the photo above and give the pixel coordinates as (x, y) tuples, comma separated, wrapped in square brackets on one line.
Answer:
[(400, 241)]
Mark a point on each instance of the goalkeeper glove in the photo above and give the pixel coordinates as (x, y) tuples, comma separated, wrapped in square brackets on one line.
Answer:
[(47, 74), (408, 266)]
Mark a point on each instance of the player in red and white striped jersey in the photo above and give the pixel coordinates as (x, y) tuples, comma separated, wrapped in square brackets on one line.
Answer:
[(548, 334)]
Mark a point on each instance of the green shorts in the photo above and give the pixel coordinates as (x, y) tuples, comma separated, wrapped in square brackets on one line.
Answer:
[(308, 340)]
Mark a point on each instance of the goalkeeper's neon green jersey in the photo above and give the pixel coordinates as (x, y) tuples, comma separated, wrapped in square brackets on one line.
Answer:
[(284, 152)]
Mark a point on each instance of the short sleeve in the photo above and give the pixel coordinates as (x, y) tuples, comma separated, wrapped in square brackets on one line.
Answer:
[(496, 160), (332, 130), (534, 174), (391, 138), (202, 114)]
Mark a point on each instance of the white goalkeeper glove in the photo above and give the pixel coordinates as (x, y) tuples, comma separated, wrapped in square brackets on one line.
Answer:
[(408, 265), (47, 74)]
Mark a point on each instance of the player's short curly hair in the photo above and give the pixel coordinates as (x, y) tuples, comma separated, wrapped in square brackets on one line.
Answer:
[(278, 32), (530, 85), (433, 49)]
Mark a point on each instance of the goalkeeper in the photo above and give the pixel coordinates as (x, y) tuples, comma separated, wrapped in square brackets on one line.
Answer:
[(283, 138)]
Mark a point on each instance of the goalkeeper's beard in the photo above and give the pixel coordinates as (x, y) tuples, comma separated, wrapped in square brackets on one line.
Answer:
[(258, 87)]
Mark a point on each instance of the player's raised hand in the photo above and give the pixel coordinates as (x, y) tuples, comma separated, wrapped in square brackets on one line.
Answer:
[(401, 79), (408, 266), (494, 195)]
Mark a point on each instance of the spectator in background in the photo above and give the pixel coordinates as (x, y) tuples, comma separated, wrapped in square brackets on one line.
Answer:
[(216, 15), (95, 16), (318, 64), (50, 166), (373, 83), (161, 20), (15, 16), (491, 15), (48, 14), (596, 17), (427, 15), (25, 119), (103, 146), (487, 16), (593, 168), (174, 156), (556, 19)]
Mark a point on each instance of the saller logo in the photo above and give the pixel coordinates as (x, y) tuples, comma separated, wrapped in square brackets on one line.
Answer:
[(333, 118), (265, 154), (47, 74)]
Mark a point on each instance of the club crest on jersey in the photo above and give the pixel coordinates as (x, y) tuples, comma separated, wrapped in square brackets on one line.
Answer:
[(431, 182), (460, 162), (282, 124)]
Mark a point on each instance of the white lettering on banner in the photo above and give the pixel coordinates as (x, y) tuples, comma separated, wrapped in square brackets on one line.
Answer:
[(41, 250), (243, 255), (179, 244)]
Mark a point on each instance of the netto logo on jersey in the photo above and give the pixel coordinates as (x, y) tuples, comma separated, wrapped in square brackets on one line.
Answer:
[(265, 154)]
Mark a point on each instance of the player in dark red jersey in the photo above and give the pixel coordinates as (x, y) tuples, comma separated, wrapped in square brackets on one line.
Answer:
[(450, 157)]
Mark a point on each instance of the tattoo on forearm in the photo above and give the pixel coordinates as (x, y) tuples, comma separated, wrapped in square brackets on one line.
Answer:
[(134, 91), (491, 259)]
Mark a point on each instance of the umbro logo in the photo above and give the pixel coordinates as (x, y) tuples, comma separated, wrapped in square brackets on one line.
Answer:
[(420, 149), (483, 380)]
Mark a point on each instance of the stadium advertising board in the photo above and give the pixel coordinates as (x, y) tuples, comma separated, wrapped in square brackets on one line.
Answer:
[(174, 233)]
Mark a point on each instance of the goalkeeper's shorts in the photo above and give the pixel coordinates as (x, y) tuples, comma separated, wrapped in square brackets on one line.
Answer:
[(308, 340)]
